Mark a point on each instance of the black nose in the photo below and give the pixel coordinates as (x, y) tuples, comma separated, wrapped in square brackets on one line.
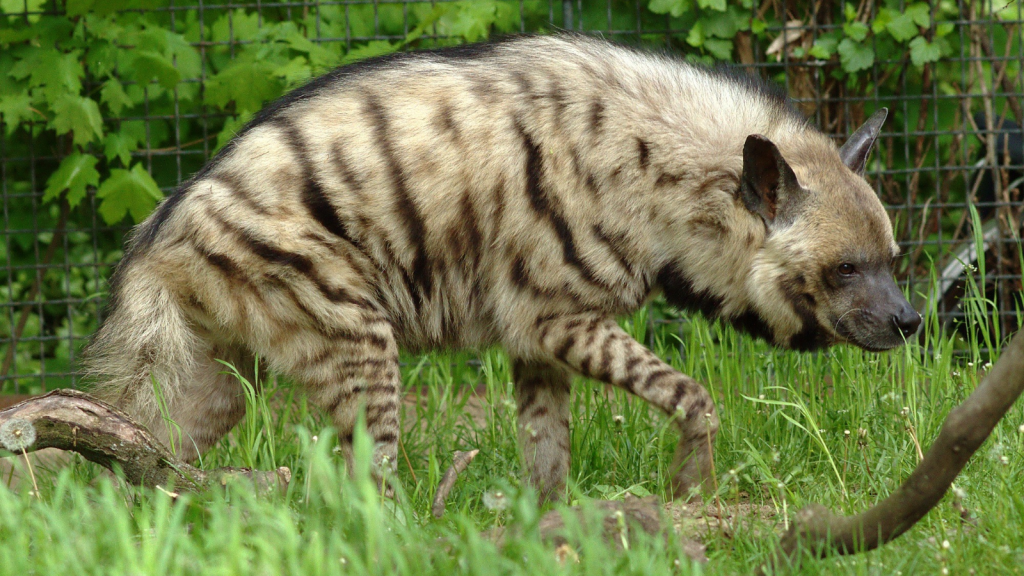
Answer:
[(907, 321)]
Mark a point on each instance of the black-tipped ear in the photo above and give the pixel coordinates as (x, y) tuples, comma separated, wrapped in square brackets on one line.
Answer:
[(858, 146), (768, 182)]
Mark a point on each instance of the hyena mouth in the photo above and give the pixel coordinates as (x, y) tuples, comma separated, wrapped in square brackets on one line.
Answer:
[(871, 338)]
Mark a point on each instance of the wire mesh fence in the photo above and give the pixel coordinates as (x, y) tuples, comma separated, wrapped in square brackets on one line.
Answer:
[(107, 106)]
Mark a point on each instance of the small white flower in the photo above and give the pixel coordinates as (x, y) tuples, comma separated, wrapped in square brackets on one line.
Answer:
[(846, 433), (945, 544), (905, 411), (17, 434), (1004, 460), (315, 439), (618, 419), (1020, 429), (495, 501), (760, 396)]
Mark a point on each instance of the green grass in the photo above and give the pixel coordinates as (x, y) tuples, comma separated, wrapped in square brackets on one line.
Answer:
[(835, 428)]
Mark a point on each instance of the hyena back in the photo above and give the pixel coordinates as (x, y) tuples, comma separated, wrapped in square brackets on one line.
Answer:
[(522, 193)]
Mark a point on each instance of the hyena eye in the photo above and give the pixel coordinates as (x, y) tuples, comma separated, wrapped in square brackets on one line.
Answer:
[(846, 269)]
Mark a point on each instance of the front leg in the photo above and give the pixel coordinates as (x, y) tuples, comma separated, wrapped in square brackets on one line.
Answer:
[(542, 397), (598, 348)]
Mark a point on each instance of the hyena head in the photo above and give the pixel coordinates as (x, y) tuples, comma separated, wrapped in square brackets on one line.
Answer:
[(829, 249)]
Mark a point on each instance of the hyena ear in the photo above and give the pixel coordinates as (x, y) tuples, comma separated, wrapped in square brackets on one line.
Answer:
[(855, 152), (768, 183)]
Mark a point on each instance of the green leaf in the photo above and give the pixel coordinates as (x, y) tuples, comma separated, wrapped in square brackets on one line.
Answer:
[(74, 174), (231, 127), (923, 51), (674, 7), (113, 95), (902, 27), (856, 30), (295, 72), (100, 7), (22, 6), (721, 24), (721, 49), (122, 143), (128, 192), (854, 56), (78, 115), (148, 65), (236, 26), (184, 56), (14, 108), (921, 13), (712, 4), (695, 37), (825, 46), (56, 73), (371, 49), (248, 85)]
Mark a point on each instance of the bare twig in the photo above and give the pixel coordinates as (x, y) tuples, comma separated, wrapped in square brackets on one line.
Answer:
[(459, 464), (73, 420), (817, 529)]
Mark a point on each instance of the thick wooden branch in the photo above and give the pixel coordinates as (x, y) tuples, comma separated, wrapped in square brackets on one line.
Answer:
[(966, 427), (72, 420)]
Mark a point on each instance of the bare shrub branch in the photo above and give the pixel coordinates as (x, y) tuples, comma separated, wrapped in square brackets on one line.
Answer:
[(74, 421), (967, 426)]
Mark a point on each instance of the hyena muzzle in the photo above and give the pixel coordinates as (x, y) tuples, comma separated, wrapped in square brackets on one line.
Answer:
[(522, 193)]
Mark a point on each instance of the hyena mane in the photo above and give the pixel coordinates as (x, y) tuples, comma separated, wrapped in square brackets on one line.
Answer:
[(521, 193)]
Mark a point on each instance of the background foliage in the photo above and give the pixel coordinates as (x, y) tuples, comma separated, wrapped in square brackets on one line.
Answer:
[(106, 105)]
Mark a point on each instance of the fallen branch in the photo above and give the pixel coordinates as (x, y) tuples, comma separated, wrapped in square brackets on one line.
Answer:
[(459, 464), (967, 426), (72, 420)]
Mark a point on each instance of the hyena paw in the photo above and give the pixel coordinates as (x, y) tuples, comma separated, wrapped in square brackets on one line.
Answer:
[(692, 476)]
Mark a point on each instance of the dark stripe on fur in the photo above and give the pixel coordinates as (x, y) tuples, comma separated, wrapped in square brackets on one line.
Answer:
[(313, 196), (348, 175), (407, 210), (546, 206), (446, 121), (596, 118), (644, 153), (680, 292), (237, 190), (614, 242), (298, 262)]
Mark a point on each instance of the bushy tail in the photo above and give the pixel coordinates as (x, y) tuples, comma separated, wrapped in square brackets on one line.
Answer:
[(144, 349)]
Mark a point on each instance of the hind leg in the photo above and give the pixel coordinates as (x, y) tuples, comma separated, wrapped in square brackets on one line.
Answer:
[(351, 370), (208, 405)]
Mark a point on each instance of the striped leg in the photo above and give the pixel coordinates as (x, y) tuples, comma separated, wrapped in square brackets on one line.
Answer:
[(598, 348), (542, 395), (354, 371)]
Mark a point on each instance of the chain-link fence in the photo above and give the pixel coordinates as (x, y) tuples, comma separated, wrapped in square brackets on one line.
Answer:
[(107, 105)]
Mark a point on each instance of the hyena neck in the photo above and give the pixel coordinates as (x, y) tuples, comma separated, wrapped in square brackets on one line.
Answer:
[(713, 256)]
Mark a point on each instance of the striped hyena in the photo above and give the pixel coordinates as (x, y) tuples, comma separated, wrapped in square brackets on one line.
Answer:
[(521, 193)]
